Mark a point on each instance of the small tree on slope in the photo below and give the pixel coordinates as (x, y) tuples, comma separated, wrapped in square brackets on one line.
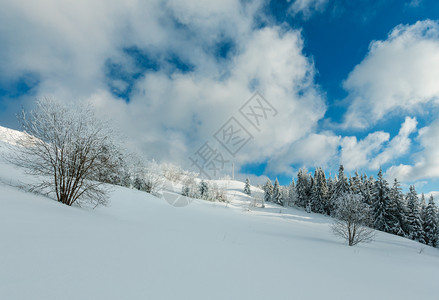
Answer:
[(277, 195), (352, 218), (66, 148), (268, 191), (203, 190), (247, 187)]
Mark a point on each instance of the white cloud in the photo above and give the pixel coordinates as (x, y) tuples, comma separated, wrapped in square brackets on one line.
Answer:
[(357, 154), (307, 7), (375, 149), (398, 75), (426, 161), (315, 150), (170, 114), (398, 146)]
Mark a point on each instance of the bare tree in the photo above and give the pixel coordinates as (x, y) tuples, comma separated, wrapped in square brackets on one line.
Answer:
[(352, 218), (67, 149)]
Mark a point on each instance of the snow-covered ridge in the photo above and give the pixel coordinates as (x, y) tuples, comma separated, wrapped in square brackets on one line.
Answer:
[(10, 136)]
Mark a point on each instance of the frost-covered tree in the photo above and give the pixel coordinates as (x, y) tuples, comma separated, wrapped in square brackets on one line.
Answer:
[(397, 209), (422, 207), (285, 194), (303, 188), (292, 196), (67, 149), (430, 225), (185, 190), (356, 183), (341, 187), (152, 174), (414, 221), (319, 192), (382, 218), (277, 195), (215, 193), (247, 187), (203, 190), (331, 187), (268, 191), (352, 218), (367, 191), (139, 183)]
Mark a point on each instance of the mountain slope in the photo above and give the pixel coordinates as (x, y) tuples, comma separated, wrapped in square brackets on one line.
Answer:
[(140, 247)]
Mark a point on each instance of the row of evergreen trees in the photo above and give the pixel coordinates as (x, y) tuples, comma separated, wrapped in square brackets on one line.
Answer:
[(392, 211)]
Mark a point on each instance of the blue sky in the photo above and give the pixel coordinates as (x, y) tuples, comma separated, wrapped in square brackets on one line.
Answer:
[(353, 82)]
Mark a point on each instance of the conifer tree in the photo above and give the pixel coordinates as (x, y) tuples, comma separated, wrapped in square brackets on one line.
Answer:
[(422, 206), (368, 189), (319, 193), (398, 209), (268, 191), (414, 222), (431, 224), (203, 189), (303, 188), (356, 184), (292, 196), (341, 188), (331, 187), (247, 187), (382, 218), (277, 195)]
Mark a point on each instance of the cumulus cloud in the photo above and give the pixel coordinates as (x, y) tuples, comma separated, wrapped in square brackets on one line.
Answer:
[(398, 146), (376, 149), (426, 161), (171, 112), (356, 154), (315, 150), (399, 74)]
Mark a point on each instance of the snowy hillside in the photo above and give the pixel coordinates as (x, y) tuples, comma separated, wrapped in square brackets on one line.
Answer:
[(9, 135), (140, 247)]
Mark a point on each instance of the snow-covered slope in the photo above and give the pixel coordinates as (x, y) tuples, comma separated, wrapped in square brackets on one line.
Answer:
[(9, 135), (140, 247)]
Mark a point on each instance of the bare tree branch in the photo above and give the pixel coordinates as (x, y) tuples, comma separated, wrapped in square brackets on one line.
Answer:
[(67, 149)]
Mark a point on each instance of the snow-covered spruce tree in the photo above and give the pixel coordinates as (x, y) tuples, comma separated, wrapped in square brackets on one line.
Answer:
[(356, 183), (277, 196), (331, 187), (367, 191), (414, 222), (185, 190), (352, 219), (397, 209), (431, 224), (203, 190), (247, 187), (303, 188), (341, 187), (139, 183), (292, 196), (268, 191), (423, 207), (319, 192), (382, 219), (67, 148), (285, 195)]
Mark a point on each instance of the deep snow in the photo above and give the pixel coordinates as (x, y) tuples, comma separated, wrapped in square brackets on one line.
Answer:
[(140, 247)]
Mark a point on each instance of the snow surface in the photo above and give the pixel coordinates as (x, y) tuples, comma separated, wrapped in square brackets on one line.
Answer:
[(140, 247)]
